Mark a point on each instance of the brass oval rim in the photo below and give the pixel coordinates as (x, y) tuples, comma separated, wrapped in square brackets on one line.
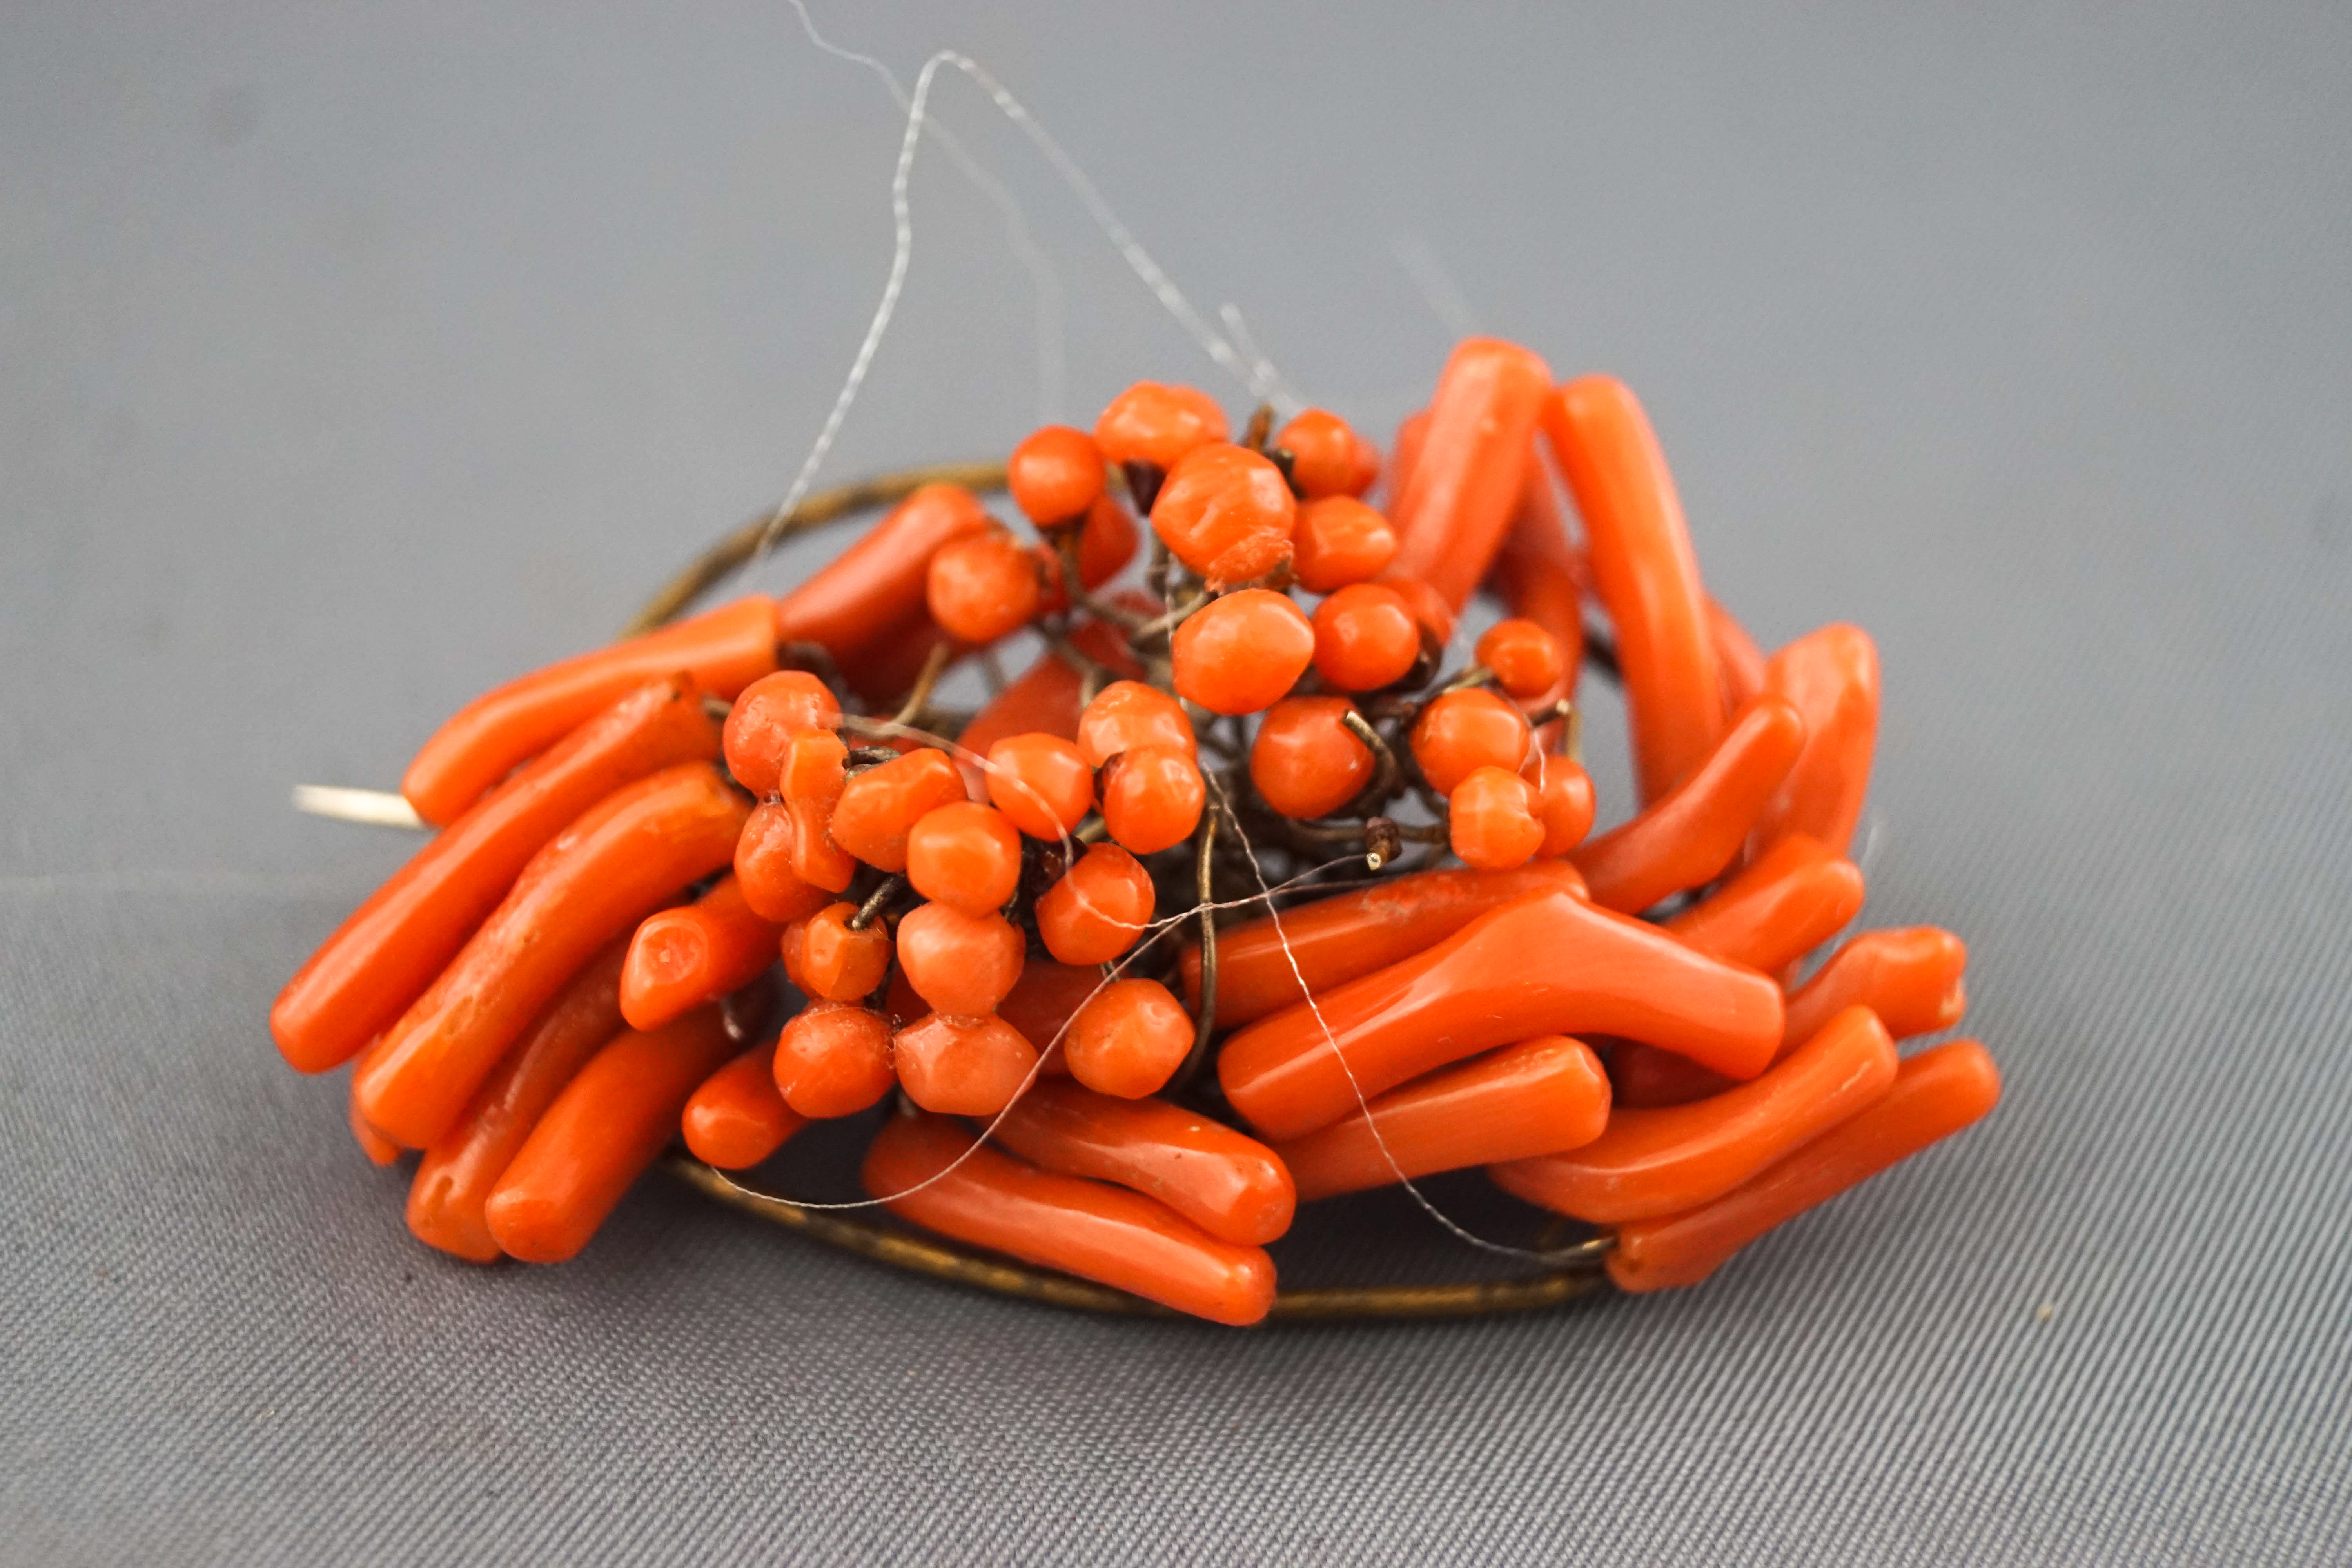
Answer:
[(1579, 1273)]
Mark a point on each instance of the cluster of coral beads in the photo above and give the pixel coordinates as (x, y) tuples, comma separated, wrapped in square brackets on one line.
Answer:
[(1041, 925)]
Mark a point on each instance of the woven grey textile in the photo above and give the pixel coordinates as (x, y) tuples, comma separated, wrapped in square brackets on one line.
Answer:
[(353, 359)]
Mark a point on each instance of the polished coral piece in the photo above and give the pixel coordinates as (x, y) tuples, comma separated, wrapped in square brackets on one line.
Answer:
[(1936, 1093), (1535, 1097), (1307, 1065), (618, 863), (1091, 1229), (1645, 574), (1653, 1163)]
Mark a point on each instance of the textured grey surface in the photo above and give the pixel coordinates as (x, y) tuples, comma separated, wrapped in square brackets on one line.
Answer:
[(351, 360)]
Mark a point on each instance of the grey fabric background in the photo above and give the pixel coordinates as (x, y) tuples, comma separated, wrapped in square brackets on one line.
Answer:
[(354, 358)]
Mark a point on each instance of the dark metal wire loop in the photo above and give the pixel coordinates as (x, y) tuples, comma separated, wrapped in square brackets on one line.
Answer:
[(1576, 1273)]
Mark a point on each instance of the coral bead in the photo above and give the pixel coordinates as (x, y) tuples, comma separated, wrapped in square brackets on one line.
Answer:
[(1325, 456), (1563, 802), (1304, 761), (816, 764), (983, 585), (1227, 514), (962, 1067), (965, 856), (881, 806), (763, 867), (1054, 475), (1462, 732), (830, 960), (1242, 653), (792, 946), (834, 1060), (1157, 424), (1129, 1039), (1526, 659), (764, 720), (1127, 714), (816, 860), (1492, 821), (1151, 798), (1043, 1001), (1097, 909), (1107, 544), (1042, 784), (958, 962), (1365, 637), (1338, 541)]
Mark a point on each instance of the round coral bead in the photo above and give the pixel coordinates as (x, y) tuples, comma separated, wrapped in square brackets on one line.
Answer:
[(792, 947), (1563, 802), (1129, 1039), (1304, 761), (958, 962), (764, 720), (1157, 424), (763, 867), (834, 1060), (1225, 512), (1107, 544), (1338, 541), (1462, 732), (962, 1067), (983, 587), (1054, 475), (1491, 820), (1325, 456), (839, 962), (1526, 659), (1365, 637), (1042, 784), (1097, 909), (1241, 653), (1043, 1001), (1127, 714), (881, 806), (816, 860), (1151, 798), (816, 764), (965, 856)]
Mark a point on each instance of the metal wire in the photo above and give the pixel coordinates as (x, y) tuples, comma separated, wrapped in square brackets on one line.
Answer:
[(1576, 1270)]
